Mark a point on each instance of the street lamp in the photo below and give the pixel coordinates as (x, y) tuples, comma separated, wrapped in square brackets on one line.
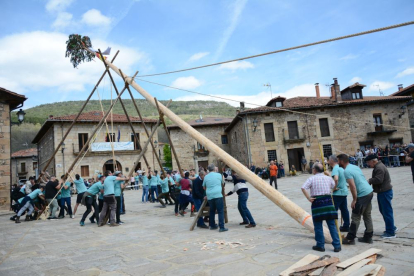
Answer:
[(20, 117), (254, 124)]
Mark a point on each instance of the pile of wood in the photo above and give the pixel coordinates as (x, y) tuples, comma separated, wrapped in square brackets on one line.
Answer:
[(360, 265)]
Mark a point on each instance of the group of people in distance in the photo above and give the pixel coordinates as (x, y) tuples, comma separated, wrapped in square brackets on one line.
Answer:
[(325, 203)]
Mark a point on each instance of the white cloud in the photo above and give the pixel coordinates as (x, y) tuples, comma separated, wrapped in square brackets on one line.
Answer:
[(36, 61), (94, 17), (198, 56), (237, 65), (349, 56), (63, 20), (355, 79), (186, 83), (57, 5), (406, 72), (261, 98), (383, 85)]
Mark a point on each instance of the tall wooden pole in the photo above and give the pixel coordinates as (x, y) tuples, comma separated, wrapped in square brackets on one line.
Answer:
[(291, 208), (75, 120)]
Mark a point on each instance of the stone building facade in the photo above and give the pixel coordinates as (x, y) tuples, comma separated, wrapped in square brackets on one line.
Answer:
[(9, 101), (190, 153), (99, 157), (287, 129), (408, 91), (23, 165)]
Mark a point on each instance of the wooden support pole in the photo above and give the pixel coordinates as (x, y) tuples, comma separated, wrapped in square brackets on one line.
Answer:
[(143, 123), (169, 137), (199, 214), (123, 106), (86, 145), (75, 120), (144, 149), (291, 208)]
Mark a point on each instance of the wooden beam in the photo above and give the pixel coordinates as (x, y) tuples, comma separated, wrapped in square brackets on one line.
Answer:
[(354, 267), (199, 214), (75, 120), (365, 270), (291, 208), (358, 257), (317, 264), (329, 270), (304, 261)]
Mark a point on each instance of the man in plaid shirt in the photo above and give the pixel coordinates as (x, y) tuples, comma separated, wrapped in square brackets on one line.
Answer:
[(320, 187)]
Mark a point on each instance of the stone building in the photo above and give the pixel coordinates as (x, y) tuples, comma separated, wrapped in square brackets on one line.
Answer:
[(99, 157), (192, 154), (9, 101), (287, 129), (408, 91), (23, 165)]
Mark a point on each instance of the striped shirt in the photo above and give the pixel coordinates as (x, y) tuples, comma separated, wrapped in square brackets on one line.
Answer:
[(319, 184)]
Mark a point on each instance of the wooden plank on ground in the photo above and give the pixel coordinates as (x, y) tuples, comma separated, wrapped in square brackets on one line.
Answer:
[(376, 271), (317, 272), (329, 270), (317, 264), (304, 261), (372, 259), (354, 267), (381, 272), (359, 257), (365, 270)]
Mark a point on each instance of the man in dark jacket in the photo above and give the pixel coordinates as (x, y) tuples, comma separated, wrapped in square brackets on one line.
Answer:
[(198, 196), (381, 183)]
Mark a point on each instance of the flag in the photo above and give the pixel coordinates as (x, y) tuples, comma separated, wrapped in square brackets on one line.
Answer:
[(119, 133)]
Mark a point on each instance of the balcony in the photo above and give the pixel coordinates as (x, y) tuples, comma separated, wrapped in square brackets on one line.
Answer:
[(22, 173), (380, 130), (201, 153), (296, 139)]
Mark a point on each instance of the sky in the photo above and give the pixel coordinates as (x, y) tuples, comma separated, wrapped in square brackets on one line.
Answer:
[(155, 36)]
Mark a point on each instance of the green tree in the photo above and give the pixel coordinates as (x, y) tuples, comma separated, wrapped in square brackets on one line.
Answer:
[(167, 155)]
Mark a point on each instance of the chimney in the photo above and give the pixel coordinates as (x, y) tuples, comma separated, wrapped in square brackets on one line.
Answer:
[(337, 91), (241, 106), (318, 94), (400, 87), (50, 116), (332, 91)]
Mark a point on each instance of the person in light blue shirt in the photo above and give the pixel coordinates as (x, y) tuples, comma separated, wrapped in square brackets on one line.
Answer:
[(212, 183), (340, 192), (153, 182), (81, 189), (118, 187), (90, 201), (26, 203), (136, 181), (65, 198), (109, 198), (362, 194), (145, 186), (165, 191)]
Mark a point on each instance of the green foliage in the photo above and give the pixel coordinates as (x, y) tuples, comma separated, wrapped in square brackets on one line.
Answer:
[(22, 136), (167, 155), (76, 49)]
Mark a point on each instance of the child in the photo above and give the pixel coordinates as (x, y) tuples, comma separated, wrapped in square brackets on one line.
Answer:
[(293, 171)]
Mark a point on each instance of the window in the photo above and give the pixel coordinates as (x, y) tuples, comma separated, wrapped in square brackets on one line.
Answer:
[(293, 130), (279, 104), (327, 150), (83, 138), (356, 95), (378, 122), (84, 171), (269, 133), (22, 167), (200, 147), (110, 137), (271, 155), (224, 140), (135, 139), (34, 166), (363, 146), (324, 125)]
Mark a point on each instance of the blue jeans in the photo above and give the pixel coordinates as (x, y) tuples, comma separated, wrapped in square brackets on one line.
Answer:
[(64, 200), (385, 208), (197, 203), (320, 238), (154, 191), (386, 161), (243, 210), (282, 172), (341, 203), (216, 204), (145, 193)]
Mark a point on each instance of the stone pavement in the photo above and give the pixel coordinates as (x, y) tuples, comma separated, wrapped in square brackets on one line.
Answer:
[(155, 242)]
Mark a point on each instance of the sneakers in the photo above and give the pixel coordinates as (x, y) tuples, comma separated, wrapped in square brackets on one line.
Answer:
[(203, 226), (82, 223), (163, 206), (337, 250), (388, 236), (72, 217), (395, 230), (223, 230), (213, 227), (182, 213), (243, 223), (348, 242), (317, 248), (365, 240), (176, 214), (121, 222), (92, 220), (250, 226), (52, 218), (17, 219)]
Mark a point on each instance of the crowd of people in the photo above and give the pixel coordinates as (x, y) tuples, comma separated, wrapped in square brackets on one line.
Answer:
[(390, 155), (103, 196)]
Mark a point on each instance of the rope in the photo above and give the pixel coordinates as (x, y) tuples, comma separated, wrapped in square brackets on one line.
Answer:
[(274, 108), (287, 49)]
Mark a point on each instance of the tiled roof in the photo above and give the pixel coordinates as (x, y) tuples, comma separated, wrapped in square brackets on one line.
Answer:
[(354, 85), (96, 116), (211, 121), (401, 92), (25, 153), (12, 98), (87, 117)]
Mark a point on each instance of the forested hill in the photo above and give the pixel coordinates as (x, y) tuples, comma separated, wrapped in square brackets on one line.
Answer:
[(186, 110)]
